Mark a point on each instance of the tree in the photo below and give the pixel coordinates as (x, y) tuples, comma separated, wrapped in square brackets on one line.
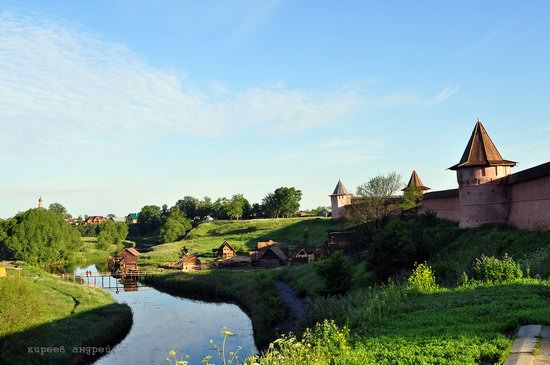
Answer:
[(59, 209), (111, 233), (337, 274), (40, 236), (412, 196), (149, 218), (283, 202), (256, 211), (219, 210), (175, 227), (188, 206), (374, 201), (235, 208), (206, 207)]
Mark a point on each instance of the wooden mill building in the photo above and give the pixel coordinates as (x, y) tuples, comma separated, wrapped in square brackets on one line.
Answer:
[(126, 260)]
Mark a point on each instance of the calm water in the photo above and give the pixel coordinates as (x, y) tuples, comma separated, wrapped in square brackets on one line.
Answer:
[(163, 322)]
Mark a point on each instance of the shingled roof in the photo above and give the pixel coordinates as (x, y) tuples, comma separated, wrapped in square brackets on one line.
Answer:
[(415, 182), (340, 189), (481, 151)]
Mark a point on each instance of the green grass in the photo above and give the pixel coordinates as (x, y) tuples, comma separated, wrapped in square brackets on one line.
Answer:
[(469, 325), (530, 248), (243, 235), (89, 252), (40, 310)]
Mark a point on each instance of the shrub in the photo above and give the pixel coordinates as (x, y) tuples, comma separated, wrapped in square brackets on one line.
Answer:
[(111, 233), (422, 279), (175, 227), (494, 270), (41, 237), (337, 274)]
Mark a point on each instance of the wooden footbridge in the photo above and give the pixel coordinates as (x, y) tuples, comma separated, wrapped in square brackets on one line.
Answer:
[(109, 280)]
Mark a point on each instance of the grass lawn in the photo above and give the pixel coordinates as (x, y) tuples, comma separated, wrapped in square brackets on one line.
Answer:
[(39, 310), (242, 235)]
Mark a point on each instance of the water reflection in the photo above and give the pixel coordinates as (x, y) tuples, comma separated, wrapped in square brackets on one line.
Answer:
[(163, 323)]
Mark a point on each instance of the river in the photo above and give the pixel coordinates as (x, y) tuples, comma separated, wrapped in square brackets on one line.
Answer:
[(163, 322)]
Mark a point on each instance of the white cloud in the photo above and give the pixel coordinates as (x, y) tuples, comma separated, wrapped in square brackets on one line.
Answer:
[(62, 89), (445, 94)]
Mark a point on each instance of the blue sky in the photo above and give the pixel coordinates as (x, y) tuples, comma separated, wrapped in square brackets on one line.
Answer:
[(106, 106)]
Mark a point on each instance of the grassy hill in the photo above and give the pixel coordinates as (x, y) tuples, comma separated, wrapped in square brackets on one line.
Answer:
[(243, 235), (39, 310)]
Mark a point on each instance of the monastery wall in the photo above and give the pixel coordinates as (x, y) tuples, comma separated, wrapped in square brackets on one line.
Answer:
[(530, 204)]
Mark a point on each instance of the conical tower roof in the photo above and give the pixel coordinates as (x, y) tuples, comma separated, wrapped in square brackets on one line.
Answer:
[(340, 189), (481, 151), (415, 182)]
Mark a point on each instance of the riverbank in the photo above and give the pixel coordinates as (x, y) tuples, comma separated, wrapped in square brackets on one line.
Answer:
[(253, 291), (45, 320)]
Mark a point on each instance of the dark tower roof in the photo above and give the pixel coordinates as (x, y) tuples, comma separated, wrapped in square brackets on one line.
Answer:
[(415, 182), (481, 151), (340, 189)]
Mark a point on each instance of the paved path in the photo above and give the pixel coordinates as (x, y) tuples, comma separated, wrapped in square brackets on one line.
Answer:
[(295, 305), (525, 344)]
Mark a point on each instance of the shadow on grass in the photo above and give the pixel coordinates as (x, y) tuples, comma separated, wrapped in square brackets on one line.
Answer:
[(77, 336)]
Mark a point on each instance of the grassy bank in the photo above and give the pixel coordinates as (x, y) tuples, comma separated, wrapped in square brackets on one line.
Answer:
[(243, 235), (42, 313), (253, 291)]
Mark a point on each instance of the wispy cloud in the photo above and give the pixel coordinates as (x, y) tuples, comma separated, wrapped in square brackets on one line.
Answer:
[(62, 89), (445, 94)]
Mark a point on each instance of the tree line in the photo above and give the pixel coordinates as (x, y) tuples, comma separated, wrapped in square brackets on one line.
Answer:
[(175, 221)]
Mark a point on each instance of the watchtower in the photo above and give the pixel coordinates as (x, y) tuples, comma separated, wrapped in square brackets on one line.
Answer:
[(339, 199), (481, 174)]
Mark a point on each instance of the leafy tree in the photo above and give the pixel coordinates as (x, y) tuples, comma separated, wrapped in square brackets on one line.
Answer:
[(235, 207), (206, 207), (220, 208), (175, 227), (40, 236), (283, 202), (59, 209), (111, 233), (337, 274), (189, 206), (412, 196), (375, 199), (256, 211), (149, 218)]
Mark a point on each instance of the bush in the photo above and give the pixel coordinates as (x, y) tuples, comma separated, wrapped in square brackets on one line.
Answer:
[(403, 242), (175, 227), (422, 279), (41, 237), (494, 270), (337, 274), (111, 233)]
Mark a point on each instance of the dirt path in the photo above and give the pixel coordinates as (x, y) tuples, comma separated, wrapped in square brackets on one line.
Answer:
[(295, 305)]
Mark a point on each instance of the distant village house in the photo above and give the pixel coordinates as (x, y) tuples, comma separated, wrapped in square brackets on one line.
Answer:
[(224, 251)]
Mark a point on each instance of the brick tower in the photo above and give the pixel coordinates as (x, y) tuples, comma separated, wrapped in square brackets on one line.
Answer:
[(481, 174), (339, 199)]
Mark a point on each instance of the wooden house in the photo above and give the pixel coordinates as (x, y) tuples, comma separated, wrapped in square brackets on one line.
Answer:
[(272, 256), (94, 219), (343, 241), (225, 251), (189, 262), (126, 260), (305, 254)]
